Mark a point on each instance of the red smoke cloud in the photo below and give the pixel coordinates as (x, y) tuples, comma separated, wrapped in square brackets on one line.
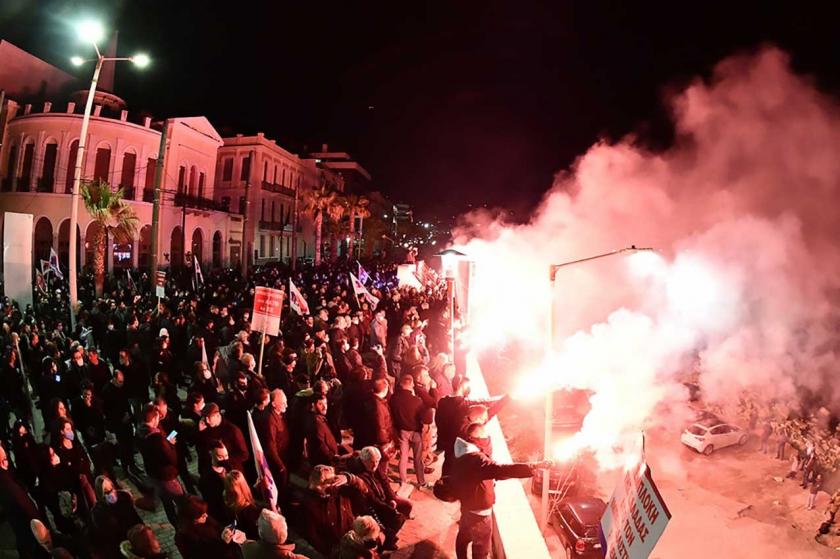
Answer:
[(743, 211)]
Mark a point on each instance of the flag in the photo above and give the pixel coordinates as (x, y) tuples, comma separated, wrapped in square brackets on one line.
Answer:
[(39, 281), (131, 283), (199, 277), (45, 267), (204, 354), (363, 275), (296, 300), (360, 290), (425, 273), (263, 472), (54, 263)]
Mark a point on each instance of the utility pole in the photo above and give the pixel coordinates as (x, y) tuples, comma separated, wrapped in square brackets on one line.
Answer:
[(246, 251), (153, 261), (294, 230)]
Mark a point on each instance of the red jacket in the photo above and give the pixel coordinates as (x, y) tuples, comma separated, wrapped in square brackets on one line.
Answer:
[(474, 475)]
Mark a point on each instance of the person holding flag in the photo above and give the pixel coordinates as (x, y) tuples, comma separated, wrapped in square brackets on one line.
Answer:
[(364, 277), (198, 279), (360, 290), (296, 301), (264, 477)]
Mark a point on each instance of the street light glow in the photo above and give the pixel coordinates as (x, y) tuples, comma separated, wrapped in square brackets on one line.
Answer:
[(90, 31), (77, 60), (141, 60)]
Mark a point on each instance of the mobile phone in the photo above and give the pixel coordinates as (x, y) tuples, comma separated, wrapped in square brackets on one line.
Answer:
[(171, 435)]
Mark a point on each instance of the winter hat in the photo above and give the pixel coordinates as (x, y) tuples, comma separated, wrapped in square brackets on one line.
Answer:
[(164, 333), (366, 528), (272, 527)]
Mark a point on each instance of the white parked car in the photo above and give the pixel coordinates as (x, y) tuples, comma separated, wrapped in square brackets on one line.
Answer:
[(708, 437)]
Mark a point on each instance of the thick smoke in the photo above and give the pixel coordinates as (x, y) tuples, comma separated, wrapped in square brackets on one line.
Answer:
[(743, 213)]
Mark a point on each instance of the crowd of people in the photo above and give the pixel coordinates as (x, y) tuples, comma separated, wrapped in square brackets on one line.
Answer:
[(140, 389)]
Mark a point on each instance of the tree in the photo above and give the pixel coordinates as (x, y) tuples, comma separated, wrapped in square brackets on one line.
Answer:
[(113, 215), (316, 203), (356, 206)]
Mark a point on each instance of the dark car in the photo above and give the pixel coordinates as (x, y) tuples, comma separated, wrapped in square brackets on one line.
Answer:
[(578, 523)]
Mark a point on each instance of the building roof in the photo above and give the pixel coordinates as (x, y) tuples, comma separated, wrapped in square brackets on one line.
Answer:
[(24, 75)]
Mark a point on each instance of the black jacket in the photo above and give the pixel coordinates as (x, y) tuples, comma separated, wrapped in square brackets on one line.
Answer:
[(159, 455), (378, 427), (407, 410), (233, 440), (321, 445), (474, 475)]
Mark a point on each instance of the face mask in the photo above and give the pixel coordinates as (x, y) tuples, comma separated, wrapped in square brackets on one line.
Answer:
[(69, 435), (223, 464), (111, 498)]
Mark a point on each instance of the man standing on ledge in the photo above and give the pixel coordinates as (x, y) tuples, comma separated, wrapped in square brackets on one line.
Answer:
[(474, 477)]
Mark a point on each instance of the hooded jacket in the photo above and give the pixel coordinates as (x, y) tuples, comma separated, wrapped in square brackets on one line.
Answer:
[(474, 475)]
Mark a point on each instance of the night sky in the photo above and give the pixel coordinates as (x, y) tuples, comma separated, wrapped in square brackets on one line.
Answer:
[(447, 104)]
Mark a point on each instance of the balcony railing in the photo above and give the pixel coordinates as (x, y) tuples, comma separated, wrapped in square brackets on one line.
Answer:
[(278, 188), (23, 184), (128, 192), (271, 225), (195, 202), (148, 195)]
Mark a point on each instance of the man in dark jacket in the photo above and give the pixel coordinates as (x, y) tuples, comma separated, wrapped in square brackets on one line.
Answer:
[(321, 446), (474, 477), (409, 413), (379, 427), (118, 419), (160, 459), (213, 427), (18, 507), (273, 432)]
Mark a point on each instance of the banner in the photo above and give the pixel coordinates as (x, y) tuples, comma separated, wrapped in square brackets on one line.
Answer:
[(296, 301), (268, 303), (17, 257), (635, 517), (263, 472), (160, 283), (361, 291), (39, 281)]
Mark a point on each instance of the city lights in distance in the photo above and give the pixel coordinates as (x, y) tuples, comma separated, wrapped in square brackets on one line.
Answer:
[(90, 31)]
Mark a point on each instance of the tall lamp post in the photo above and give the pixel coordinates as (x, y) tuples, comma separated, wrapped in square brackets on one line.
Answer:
[(549, 393), (448, 259), (92, 32)]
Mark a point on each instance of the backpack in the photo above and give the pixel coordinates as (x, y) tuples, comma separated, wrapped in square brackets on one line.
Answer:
[(445, 490)]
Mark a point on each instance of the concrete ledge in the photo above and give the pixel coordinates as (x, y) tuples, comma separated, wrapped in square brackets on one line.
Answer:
[(517, 534)]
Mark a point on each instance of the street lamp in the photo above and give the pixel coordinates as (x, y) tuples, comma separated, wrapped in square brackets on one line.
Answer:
[(448, 259), (549, 393), (89, 31)]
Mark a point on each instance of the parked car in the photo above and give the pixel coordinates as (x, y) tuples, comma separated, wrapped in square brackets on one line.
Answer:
[(709, 436), (578, 524)]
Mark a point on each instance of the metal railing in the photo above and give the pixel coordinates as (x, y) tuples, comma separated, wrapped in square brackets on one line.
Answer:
[(196, 202), (278, 188)]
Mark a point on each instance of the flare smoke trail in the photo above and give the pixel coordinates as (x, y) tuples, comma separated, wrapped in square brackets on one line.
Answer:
[(742, 209)]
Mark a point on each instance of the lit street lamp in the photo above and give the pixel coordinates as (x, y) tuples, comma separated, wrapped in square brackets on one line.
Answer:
[(549, 393), (448, 259), (89, 31)]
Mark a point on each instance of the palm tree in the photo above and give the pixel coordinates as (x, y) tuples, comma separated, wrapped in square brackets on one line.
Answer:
[(113, 215), (316, 203), (357, 206)]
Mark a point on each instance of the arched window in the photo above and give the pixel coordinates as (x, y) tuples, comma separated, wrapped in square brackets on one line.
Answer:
[(71, 166), (193, 180), (47, 180), (201, 185), (43, 239), (176, 248), (198, 244), (102, 165), (129, 166), (144, 248), (217, 249), (26, 167), (12, 169)]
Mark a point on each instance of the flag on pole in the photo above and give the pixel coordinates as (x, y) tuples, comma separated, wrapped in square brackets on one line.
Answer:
[(199, 277), (45, 267), (364, 277), (54, 263), (263, 472), (361, 291), (296, 300), (131, 283), (204, 355), (39, 281)]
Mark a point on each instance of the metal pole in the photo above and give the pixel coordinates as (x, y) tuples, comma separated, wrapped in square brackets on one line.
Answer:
[(153, 264), (245, 250), (294, 231), (549, 407), (450, 291), (262, 351), (74, 203)]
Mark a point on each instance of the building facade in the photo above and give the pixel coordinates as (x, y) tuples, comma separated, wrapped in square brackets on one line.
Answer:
[(37, 161)]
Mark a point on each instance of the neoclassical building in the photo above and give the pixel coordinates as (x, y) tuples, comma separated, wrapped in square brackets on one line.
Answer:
[(37, 161)]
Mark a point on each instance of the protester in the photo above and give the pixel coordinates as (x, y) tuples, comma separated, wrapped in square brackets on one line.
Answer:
[(111, 518), (362, 541), (240, 503), (160, 458), (271, 543)]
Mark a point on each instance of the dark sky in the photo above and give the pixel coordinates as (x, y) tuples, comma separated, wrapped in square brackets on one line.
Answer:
[(473, 102)]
